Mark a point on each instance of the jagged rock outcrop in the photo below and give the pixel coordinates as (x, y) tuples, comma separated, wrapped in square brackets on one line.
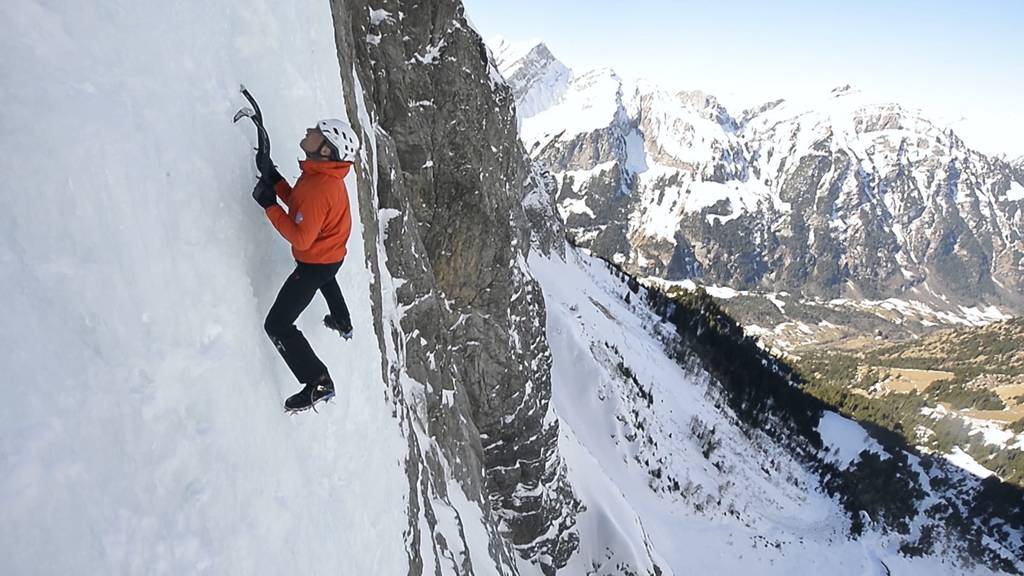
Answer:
[(454, 193)]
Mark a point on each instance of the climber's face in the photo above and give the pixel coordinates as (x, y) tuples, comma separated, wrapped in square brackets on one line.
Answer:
[(314, 144)]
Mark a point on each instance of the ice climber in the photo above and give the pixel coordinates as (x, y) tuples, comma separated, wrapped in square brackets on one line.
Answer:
[(317, 224)]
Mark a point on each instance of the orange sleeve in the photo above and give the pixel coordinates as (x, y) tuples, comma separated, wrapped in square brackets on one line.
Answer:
[(283, 189), (301, 225)]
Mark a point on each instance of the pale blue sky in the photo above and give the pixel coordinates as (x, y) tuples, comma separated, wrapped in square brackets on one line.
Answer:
[(961, 62)]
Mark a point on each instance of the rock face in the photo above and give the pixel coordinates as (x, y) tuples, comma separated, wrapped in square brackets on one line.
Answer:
[(451, 192), (842, 196), (890, 201)]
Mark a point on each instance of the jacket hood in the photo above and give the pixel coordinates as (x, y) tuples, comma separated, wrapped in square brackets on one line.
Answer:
[(334, 169)]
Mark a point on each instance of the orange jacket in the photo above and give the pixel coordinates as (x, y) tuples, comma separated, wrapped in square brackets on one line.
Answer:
[(318, 221)]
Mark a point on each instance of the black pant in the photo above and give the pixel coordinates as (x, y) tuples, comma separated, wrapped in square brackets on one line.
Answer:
[(296, 293)]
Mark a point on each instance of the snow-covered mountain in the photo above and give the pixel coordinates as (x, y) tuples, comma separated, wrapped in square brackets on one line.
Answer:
[(836, 196), (537, 78), (508, 404)]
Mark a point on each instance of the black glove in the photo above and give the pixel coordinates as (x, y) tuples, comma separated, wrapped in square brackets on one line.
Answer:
[(263, 162), (271, 175), (266, 166), (264, 194)]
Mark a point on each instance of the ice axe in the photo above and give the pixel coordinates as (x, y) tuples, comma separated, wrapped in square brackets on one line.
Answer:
[(263, 162), (244, 112), (253, 113)]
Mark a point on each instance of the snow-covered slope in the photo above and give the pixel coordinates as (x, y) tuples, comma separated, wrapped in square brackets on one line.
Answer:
[(142, 430), (591, 102), (670, 478)]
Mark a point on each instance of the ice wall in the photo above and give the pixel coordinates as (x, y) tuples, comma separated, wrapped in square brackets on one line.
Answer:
[(141, 430)]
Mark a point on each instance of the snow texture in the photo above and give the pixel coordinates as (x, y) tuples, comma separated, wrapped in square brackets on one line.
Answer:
[(589, 104), (743, 506), (846, 438), (1015, 193), (965, 461), (142, 431)]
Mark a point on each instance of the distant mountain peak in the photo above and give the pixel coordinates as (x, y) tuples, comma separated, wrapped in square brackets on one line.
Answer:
[(537, 78), (509, 56), (844, 90)]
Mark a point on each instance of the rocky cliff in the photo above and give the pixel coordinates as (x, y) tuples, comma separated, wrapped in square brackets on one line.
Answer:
[(445, 185)]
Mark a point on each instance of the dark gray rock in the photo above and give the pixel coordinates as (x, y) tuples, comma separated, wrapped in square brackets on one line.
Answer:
[(448, 232)]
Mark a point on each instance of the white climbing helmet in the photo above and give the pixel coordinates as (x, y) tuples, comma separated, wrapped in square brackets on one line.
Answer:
[(341, 137)]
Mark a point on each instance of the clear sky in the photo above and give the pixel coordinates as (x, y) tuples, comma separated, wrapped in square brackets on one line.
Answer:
[(961, 62)]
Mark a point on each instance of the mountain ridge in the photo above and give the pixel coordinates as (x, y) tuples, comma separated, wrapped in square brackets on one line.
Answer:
[(889, 202)]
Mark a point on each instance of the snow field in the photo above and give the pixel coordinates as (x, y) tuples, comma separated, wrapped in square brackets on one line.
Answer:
[(143, 431), (846, 439), (746, 508), (590, 102)]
